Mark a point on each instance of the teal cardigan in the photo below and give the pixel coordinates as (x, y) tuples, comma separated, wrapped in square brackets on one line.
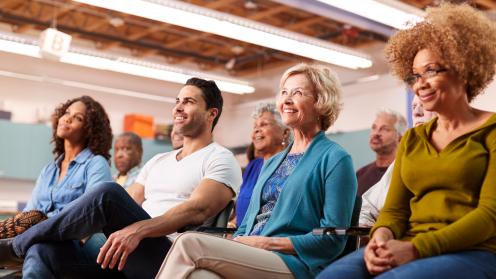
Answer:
[(319, 193)]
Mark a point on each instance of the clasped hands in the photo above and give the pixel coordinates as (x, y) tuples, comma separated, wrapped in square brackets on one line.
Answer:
[(383, 252)]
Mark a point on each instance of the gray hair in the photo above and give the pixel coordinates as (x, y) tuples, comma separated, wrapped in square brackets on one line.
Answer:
[(271, 108), (268, 107), (399, 120), (134, 139)]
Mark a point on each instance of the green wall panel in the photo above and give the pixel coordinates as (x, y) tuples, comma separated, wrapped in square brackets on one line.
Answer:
[(357, 144), (26, 148)]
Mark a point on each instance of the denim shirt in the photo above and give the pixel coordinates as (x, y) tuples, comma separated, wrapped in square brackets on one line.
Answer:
[(50, 195)]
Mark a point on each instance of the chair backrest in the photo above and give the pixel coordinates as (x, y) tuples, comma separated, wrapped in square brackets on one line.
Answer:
[(351, 242), (221, 219), (218, 221)]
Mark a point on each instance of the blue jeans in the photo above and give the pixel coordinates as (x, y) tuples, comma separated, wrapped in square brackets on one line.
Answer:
[(66, 259), (106, 208), (472, 264)]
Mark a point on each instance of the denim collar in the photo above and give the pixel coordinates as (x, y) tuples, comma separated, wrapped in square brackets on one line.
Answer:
[(84, 155)]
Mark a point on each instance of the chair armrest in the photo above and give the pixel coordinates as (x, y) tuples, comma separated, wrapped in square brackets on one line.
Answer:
[(357, 231)]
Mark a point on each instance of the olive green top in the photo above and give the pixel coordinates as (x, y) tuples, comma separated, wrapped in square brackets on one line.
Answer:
[(444, 201)]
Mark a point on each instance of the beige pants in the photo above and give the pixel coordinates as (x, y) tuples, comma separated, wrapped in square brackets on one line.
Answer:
[(197, 255)]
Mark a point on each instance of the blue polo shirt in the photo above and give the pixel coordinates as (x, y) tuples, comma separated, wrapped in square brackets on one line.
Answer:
[(50, 195)]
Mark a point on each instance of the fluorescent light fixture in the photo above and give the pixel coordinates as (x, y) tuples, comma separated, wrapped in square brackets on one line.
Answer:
[(222, 24), (389, 12), (87, 86), (126, 65)]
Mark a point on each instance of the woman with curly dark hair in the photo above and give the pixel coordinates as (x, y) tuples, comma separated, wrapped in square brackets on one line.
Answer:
[(439, 218), (82, 139)]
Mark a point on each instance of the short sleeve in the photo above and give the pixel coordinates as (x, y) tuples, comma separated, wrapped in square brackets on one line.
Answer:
[(145, 170), (223, 168)]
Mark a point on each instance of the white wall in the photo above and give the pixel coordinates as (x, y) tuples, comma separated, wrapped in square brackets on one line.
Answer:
[(30, 99), (360, 103)]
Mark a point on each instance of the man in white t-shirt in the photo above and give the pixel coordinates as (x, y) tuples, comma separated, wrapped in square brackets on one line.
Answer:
[(175, 189)]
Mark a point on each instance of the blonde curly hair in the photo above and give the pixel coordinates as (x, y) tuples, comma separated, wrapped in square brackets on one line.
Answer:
[(462, 36), (327, 88)]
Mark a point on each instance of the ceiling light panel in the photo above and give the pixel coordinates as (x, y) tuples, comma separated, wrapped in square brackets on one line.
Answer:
[(388, 12), (104, 61), (222, 24)]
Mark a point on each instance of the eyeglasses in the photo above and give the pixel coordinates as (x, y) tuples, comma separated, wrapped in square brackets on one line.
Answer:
[(294, 93), (412, 79)]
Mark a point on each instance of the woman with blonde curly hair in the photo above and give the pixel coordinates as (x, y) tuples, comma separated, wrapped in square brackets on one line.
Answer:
[(439, 218), (309, 184)]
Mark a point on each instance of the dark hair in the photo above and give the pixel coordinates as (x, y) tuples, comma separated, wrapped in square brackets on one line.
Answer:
[(96, 130), (211, 94), (133, 138)]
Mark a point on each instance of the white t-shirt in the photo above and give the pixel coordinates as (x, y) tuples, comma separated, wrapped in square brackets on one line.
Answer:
[(373, 200), (169, 182)]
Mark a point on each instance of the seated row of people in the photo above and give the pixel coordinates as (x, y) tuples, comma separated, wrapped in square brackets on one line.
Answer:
[(439, 217)]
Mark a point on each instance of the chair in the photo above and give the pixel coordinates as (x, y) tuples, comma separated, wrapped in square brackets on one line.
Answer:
[(216, 224), (353, 232)]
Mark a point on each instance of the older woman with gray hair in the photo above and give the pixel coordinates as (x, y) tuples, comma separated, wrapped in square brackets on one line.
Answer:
[(269, 136), (310, 184)]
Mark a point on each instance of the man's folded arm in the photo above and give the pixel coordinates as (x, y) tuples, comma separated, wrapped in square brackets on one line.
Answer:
[(207, 200)]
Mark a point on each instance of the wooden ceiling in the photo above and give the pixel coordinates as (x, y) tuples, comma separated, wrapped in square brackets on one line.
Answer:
[(109, 31), (480, 4)]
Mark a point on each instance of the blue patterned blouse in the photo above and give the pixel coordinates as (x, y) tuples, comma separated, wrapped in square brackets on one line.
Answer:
[(272, 189)]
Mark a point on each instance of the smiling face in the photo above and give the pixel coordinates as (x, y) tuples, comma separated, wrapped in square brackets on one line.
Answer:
[(296, 103), (267, 135), (419, 114), (190, 115), (440, 92), (71, 125)]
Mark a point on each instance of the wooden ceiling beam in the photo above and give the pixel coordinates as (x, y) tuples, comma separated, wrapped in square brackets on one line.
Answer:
[(138, 35), (255, 16), (304, 23), (279, 9), (10, 4), (491, 4), (157, 28), (47, 17), (269, 12)]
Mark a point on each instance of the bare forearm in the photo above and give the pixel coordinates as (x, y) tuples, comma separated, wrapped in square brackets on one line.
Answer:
[(137, 192), (178, 217)]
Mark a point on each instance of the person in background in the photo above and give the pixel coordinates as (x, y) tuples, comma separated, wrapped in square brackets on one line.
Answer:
[(128, 150), (175, 189), (82, 139), (385, 135), (373, 199), (269, 136), (309, 184), (439, 218), (176, 139)]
